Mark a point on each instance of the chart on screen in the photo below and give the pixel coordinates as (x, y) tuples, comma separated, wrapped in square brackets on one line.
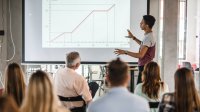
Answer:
[(85, 23)]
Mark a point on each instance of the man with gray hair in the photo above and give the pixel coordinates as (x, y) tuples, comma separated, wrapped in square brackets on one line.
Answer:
[(73, 60), (69, 83)]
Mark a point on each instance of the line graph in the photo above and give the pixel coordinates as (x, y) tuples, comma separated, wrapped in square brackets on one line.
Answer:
[(83, 21), (84, 25)]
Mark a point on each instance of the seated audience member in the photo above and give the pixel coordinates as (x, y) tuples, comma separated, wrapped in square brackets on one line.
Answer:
[(14, 83), (151, 87), (118, 98), (7, 104), (40, 96), (69, 83), (185, 98)]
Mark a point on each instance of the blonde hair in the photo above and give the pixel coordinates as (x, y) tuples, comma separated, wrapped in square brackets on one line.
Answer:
[(40, 96), (14, 83)]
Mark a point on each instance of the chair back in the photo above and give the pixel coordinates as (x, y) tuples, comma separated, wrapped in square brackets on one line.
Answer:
[(73, 99), (153, 104)]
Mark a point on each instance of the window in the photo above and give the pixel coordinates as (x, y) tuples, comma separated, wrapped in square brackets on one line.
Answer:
[(182, 29)]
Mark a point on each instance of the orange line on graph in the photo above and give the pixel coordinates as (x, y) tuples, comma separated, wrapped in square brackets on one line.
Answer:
[(82, 22)]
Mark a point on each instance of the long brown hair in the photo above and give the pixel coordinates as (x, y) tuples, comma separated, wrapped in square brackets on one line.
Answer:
[(186, 95), (40, 95), (14, 82), (7, 104), (151, 80)]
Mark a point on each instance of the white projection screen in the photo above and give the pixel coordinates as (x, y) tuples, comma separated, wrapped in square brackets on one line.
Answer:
[(94, 28)]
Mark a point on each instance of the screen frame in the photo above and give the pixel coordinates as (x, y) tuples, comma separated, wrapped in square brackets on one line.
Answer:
[(56, 62)]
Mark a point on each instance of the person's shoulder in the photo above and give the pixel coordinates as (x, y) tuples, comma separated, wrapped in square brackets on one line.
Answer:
[(61, 70), (101, 99), (138, 100), (94, 105), (165, 85), (149, 40), (138, 87), (79, 76), (136, 97), (150, 36)]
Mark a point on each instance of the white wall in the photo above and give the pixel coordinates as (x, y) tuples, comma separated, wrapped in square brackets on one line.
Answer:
[(16, 26), (3, 39)]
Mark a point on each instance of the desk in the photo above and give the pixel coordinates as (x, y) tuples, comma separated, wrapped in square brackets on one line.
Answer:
[(132, 80)]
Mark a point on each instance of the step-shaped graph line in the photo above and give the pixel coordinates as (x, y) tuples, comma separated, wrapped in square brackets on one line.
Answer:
[(93, 11)]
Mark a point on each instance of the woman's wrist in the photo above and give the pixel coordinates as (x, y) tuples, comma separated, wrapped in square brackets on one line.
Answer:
[(133, 37), (125, 52)]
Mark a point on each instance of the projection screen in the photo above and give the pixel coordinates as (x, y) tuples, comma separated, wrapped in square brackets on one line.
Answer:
[(94, 28)]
